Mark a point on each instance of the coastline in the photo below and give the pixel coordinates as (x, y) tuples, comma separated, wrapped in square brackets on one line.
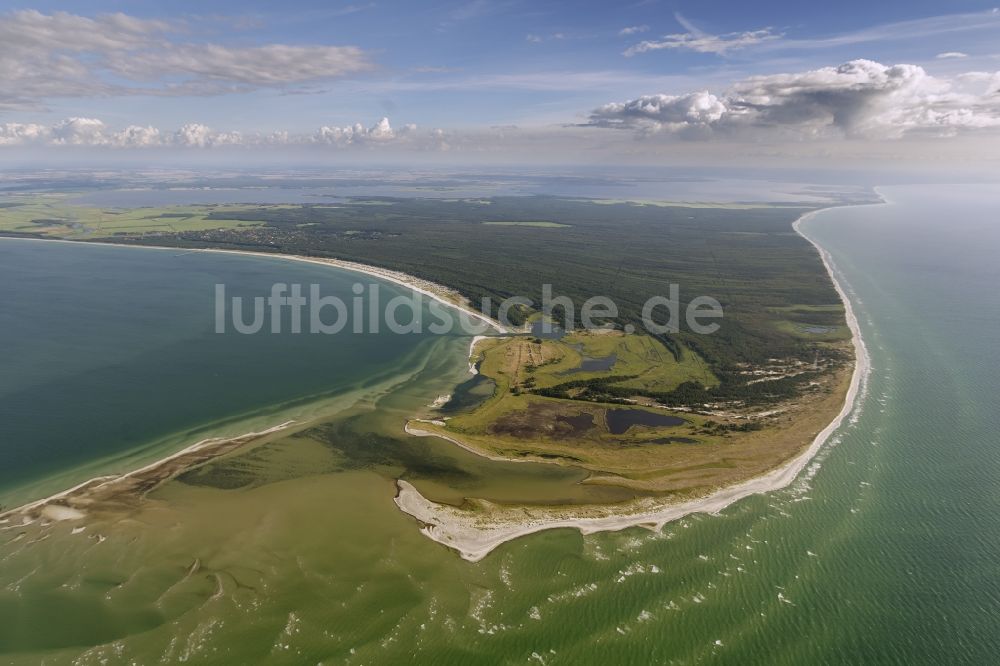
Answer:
[(474, 534), (473, 366), (437, 292), (440, 293)]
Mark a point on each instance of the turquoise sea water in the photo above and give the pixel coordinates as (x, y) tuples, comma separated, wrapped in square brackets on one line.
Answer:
[(885, 551)]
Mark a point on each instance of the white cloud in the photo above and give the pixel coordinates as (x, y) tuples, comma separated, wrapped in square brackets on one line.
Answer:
[(951, 55), (272, 65), (860, 98), (20, 133), (717, 44), (381, 130), (693, 110), (194, 135), (972, 26), (633, 30), (703, 42), (61, 31), (94, 133), (357, 133), (79, 131), (135, 136), (976, 28), (64, 55)]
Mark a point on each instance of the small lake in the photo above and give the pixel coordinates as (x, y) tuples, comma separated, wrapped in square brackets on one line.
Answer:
[(599, 364), (620, 420)]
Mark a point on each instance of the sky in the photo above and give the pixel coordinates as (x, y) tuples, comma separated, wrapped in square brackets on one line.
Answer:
[(646, 81)]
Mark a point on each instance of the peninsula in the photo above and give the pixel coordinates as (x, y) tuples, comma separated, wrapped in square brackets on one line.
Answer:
[(684, 422)]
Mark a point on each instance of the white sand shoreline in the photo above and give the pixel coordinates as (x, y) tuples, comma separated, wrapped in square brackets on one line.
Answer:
[(475, 534), (415, 431), (473, 370), (444, 295)]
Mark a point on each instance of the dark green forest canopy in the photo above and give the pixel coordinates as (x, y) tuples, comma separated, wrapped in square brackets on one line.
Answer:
[(749, 259)]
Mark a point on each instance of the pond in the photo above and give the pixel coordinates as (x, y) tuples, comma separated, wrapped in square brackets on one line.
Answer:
[(599, 364), (620, 420)]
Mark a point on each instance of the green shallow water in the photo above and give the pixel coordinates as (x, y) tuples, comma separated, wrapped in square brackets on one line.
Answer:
[(884, 551)]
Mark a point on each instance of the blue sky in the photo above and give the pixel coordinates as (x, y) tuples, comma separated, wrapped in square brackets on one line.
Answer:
[(256, 68)]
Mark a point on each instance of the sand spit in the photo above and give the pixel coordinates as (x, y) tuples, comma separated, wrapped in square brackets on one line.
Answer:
[(474, 533), (413, 428), (473, 365), (119, 491)]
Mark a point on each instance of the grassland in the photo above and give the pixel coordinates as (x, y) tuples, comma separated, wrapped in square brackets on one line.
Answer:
[(51, 216), (647, 364), (812, 322), (701, 450)]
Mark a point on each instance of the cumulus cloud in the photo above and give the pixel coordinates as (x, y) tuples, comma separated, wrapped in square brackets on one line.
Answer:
[(193, 134), (135, 136), (693, 111), (381, 131), (860, 98), (20, 133), (94, 133), (79, 132), (702, 42), (65, 55)]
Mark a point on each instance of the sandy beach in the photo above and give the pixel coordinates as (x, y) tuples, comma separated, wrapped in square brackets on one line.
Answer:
[(432, 290), (475, 533), (473, 369), (435, 291)]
